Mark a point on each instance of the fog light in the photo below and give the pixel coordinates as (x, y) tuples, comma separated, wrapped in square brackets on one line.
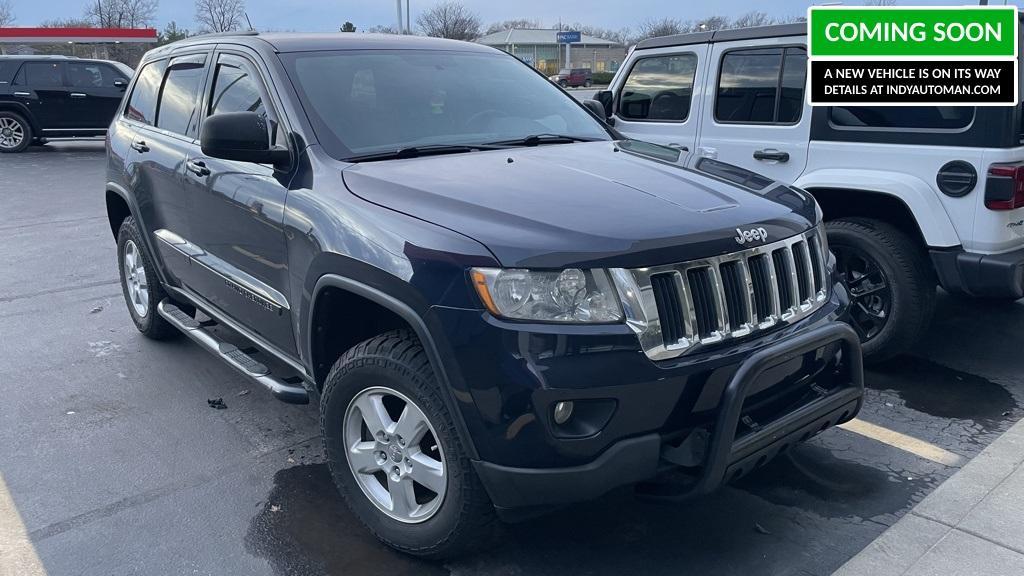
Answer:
[(563, 411)]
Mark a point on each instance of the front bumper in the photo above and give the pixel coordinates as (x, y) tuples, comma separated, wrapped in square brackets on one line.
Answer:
[(726, 454), (982, 275)]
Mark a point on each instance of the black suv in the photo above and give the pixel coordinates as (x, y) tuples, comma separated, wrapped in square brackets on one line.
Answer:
[(57, 97), (501, 304)]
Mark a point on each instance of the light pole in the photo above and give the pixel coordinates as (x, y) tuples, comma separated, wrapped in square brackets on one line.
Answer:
[(408, 16), (398, 5)]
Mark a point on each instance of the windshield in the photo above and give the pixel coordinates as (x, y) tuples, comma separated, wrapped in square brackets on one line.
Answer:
[(371, 101)]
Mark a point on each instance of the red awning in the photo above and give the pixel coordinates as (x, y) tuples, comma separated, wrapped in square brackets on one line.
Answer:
[(64, 35)]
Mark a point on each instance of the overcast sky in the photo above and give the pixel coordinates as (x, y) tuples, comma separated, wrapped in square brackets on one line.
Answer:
[(328, 15)]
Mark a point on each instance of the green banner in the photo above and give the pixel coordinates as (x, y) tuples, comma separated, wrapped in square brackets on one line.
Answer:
[(895, 32)]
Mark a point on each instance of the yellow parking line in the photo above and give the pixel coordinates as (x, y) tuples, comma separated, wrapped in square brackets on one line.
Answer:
[(17, 555), (904, 442)]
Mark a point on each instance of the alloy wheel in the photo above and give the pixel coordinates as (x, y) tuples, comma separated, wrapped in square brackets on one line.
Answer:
[(135, 279), (869, 288), (394, 454), (12, 133)]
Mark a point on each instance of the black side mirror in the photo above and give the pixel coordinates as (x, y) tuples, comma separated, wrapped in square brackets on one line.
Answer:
[(596, 107), (605, 97), (241, 136)]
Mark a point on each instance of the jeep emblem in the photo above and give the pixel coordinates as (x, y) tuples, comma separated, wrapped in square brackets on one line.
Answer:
[(396, 452), (744, 236)]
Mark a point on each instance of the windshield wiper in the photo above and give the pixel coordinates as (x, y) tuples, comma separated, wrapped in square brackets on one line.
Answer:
[(537, 139), (417, 151)]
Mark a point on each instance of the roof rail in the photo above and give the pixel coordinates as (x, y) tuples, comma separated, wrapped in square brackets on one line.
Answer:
[(40, 56), (725, 35), (221, 34)]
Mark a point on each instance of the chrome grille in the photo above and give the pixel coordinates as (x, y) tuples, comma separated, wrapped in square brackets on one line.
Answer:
[(679, 308)]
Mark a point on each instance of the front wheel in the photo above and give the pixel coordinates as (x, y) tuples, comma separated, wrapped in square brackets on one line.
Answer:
[(890, 282), (395, 454), (588, 84)]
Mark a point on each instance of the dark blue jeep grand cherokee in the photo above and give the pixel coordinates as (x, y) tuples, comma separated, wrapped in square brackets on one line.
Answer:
[(501, 304)]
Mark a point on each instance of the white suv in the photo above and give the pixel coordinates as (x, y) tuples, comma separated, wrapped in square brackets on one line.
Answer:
[(913, 196)]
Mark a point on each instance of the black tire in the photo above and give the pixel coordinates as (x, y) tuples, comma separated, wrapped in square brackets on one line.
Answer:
[(588, 84), (563, 83), (905, 306), (151, 324), (466, 518), (26, 128)]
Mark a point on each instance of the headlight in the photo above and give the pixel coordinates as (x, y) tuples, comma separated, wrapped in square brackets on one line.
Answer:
[(570, 295)]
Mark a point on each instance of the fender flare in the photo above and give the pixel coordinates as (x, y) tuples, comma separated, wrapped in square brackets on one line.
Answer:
[(133, 209), (918, 196), (418, 325), (24, 112)]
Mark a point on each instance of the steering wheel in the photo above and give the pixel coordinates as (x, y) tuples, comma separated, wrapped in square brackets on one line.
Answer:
[(490, 113)]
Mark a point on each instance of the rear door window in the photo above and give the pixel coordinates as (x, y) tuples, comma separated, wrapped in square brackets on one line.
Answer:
[(85, 75), (179, 96), (659, 88), (41, 75), (142, 103), (7, 69), (761, 86), (902, 117)]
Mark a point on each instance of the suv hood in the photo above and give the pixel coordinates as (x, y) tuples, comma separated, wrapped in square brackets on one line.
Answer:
[(582, 205)]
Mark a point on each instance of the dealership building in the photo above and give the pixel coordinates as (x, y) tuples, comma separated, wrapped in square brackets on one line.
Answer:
[(540, 48)]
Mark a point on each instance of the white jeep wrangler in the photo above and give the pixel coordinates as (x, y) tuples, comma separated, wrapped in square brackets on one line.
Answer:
[(912, 196)]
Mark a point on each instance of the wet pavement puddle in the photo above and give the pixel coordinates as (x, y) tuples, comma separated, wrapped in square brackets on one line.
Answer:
[(304, 528), (942, 392), (809, 477)]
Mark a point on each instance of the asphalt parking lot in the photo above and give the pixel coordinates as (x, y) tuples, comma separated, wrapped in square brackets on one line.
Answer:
[(117, 465)]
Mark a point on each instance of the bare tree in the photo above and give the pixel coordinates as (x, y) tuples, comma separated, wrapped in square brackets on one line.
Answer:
[(121, 13), (710, 23), (67, 23), (450, 19), (620, 36), (752, 19), (514, 24), (651, 28), (220, 15), (6, 13), (382, 29)]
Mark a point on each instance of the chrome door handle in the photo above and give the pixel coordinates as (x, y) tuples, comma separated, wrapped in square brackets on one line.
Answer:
[(24, 94), (77, 95), (140, 146), (708, 152), (197, 167), (678, 146)]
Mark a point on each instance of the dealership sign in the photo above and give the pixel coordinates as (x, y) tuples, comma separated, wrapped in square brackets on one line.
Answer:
[(569, 37), (963, 56)]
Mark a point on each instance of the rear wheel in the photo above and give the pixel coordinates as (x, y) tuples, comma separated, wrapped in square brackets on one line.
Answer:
[(891, 286), (588, 84), (394, 452), (563, 83), (15, 132)]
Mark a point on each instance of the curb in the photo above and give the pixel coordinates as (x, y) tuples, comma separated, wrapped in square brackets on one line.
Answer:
[(941, 535)]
